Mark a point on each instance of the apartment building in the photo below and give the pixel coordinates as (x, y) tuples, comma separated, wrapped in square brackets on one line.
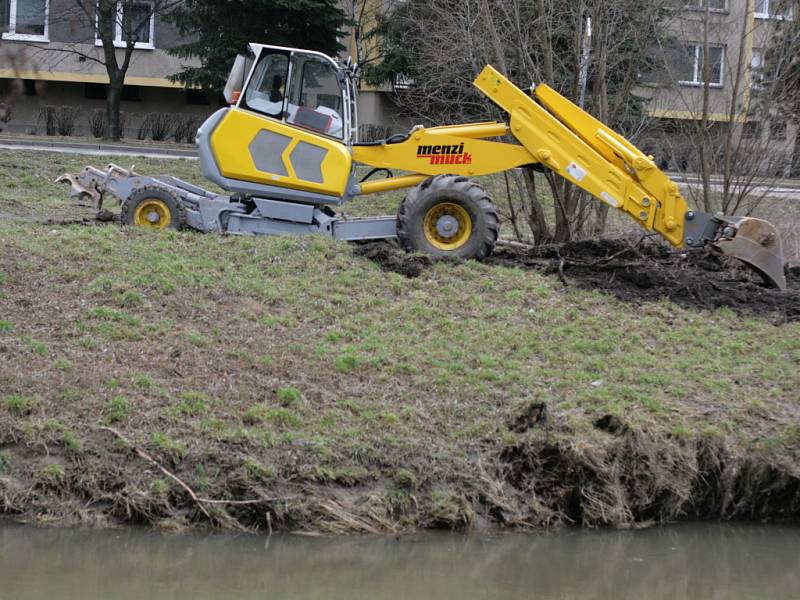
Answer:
[(737, 33), (51, 46)]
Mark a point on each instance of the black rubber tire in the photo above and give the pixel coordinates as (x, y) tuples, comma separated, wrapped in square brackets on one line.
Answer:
[(176, 208), (453, 189)]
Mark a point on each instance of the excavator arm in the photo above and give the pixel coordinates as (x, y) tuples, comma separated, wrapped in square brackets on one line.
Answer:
[(555, 133), (572, 143)]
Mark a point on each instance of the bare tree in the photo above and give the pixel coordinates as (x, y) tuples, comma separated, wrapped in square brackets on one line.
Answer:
[(17, 62), (110, 31), (720, 130), (782, 71), (447, 42)]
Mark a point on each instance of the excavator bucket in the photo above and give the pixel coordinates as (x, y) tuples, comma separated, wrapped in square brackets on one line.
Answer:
[(756, 243)]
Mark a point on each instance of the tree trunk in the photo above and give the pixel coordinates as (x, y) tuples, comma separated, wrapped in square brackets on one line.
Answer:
[(535, 213), (600, 95), (113, 131), (705, 166), (734, 131), (564, 203), (547, 48)]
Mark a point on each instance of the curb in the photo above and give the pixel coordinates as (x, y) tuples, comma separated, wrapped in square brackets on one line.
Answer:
[(11, 142)]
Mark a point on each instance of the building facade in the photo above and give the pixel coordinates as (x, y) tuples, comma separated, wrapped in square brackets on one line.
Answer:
[(50, 57), (51, 46), (737, 34)]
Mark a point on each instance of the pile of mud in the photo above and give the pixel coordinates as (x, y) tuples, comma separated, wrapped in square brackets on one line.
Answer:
[(650, 271)]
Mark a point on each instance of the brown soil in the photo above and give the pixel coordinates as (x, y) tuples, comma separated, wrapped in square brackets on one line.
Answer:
[(700, 279)]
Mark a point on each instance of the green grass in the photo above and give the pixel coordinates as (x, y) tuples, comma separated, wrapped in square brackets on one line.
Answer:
[(192, 404), (5, 461), (117, 409), (288, 396), (159, 487), (18, 405), (195, 338), (34, 346), (178, 339), (171, 448), (52, 475)]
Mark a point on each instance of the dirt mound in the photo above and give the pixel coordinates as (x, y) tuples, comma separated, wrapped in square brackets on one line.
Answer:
[(391, 258), (698, 279)]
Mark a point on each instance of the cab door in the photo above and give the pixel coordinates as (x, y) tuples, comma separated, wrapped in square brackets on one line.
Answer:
[(289, 126)]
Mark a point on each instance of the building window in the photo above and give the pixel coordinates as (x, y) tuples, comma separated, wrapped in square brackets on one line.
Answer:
[(751, 130), (137, 23), (774, 9), (134, 21), (25, 19), (197, 97), (691, 67), (95, 91), (777, 129), (99, 91), (131, 93), (713, 5), (757, 69)]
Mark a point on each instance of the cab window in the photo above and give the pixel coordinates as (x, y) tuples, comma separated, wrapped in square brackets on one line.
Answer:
[(267, 88), (315, 98)]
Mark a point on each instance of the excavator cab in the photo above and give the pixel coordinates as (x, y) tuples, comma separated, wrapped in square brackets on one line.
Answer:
[(287, 131), (301, 88)]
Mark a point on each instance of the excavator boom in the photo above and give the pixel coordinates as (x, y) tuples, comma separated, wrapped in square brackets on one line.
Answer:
[(572, 143)]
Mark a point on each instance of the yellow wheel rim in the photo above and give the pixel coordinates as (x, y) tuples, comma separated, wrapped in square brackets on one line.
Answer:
[(152, 213), (447, 226)]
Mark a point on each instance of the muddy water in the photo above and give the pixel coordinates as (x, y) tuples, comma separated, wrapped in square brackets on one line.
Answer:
[(686, 562)]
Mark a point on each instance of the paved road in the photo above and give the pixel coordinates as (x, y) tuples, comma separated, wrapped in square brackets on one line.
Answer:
[(781, 193), (9, 143)]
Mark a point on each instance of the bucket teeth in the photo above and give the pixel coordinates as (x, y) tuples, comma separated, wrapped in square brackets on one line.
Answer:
[(756, 242)]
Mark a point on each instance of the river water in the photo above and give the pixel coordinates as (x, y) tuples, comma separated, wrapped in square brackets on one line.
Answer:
[(680, 562)]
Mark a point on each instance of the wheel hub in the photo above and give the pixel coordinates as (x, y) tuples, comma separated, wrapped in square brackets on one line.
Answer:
[(447, 226), (153, 213)]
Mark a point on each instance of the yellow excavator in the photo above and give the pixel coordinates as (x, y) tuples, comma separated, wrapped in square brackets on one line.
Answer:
[(286, 150)]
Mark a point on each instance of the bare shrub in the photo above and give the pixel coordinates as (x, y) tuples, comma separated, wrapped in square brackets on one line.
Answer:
[(161, 126), (371, 132), (59, 120), (144, 128), (97, 122), (186, 128)]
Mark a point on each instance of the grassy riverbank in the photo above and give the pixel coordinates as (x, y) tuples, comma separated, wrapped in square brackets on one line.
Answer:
[(178, 378)]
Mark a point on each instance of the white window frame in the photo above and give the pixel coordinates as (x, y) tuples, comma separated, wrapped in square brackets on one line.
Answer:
[(11, 34), (757, 78), (701, 5), (768, 15), (118, 41), (698, 68)]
